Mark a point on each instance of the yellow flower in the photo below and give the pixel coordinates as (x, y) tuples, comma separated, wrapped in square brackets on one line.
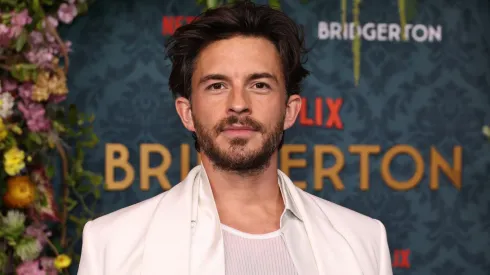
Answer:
[(20, 192), (62, 261), (3, 130), (16, 129), (13, 161)]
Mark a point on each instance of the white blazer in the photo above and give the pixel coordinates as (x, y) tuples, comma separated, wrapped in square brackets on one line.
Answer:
[(179, 233)]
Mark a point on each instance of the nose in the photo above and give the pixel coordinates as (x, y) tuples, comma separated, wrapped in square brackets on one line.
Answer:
[(238, 102)]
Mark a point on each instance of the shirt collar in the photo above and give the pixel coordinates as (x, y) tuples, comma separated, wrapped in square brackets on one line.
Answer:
[(289, 204)]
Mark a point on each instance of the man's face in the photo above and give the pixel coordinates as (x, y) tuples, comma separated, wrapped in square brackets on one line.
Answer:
[(239, 107)]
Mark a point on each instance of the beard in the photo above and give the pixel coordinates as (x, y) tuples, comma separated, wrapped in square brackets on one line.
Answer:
[(238, 158)]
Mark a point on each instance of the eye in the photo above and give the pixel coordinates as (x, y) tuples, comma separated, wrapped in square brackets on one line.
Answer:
[(262, 85), (215, 86)]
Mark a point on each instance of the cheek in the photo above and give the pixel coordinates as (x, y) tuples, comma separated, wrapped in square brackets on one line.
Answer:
[(206, 117)]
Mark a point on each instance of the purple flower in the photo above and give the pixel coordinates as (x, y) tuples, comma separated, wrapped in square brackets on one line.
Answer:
[(4, 36), (38, 231), (67, 12), (40, 56), (8, 84), (25, 91), (34, 113)]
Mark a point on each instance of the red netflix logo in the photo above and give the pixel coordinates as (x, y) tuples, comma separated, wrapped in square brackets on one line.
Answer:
[(171, 23), (401, 258), (326, 113)]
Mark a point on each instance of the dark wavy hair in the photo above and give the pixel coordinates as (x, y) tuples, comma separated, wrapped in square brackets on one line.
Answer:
[(242, 18)]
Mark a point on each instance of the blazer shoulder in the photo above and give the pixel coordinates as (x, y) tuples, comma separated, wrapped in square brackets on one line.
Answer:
[(348, 219), (127, 218)]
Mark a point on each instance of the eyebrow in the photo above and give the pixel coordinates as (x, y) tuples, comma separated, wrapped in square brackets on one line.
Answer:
[(250, 77)]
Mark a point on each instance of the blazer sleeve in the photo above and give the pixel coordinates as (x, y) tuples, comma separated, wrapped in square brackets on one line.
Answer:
[(90, 262), (384, 252)]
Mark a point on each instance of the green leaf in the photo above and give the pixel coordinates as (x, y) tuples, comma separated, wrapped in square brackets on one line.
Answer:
[(58, 126), (21, 41), (35, 137), (36, 6), (275, 4), (84, 188), (70, 181), (72, 114), (211, 4), (91, 118), (97, 180), (50, 170), (24, 72), (97, 193), (79, 221), (71, 204)]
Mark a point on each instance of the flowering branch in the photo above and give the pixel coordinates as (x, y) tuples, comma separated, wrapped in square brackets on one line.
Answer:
[(35, 128)]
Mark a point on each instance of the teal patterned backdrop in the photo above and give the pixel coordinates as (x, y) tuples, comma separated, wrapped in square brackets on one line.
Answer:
[(422, 94)]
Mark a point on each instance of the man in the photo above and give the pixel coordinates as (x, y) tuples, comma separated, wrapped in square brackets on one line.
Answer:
[(236, 77)]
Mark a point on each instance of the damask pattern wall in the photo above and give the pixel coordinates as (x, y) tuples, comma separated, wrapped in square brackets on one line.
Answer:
[(422, 102)]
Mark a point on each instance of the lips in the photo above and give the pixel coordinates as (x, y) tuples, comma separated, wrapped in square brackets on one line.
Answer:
[(239, 128)]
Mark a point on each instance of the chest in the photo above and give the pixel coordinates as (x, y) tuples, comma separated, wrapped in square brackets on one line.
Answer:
[(265, 254)]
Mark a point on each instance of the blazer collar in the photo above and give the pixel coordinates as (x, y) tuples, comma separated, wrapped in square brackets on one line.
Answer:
[(172, 245)]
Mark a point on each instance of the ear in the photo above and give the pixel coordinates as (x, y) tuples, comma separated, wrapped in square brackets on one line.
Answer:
[(183, 106), (293, 107)]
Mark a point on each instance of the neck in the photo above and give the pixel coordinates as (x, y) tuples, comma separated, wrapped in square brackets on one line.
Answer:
[(245, 199)]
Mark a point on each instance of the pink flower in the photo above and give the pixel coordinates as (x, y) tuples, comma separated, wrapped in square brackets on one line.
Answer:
[(43, 266), (21, 19), (34, 113), (67, 12), (25, 91), (48, 266), (30, 268), (4, 36), (36, 37), (52, 21), (8, 84), (38, 231)]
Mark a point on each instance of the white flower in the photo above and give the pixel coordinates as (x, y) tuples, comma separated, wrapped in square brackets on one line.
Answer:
[(6, 105), (12, 224), (28, 249)]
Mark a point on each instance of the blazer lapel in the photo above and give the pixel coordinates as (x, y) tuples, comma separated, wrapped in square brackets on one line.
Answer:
[(207, 253), (168, 240), (184, 236), (332, 252)]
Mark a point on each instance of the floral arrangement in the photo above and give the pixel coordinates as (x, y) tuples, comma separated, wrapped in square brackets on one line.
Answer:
[(38, 132)]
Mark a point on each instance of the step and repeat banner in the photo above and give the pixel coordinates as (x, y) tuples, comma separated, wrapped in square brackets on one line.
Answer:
[(404, 146)]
